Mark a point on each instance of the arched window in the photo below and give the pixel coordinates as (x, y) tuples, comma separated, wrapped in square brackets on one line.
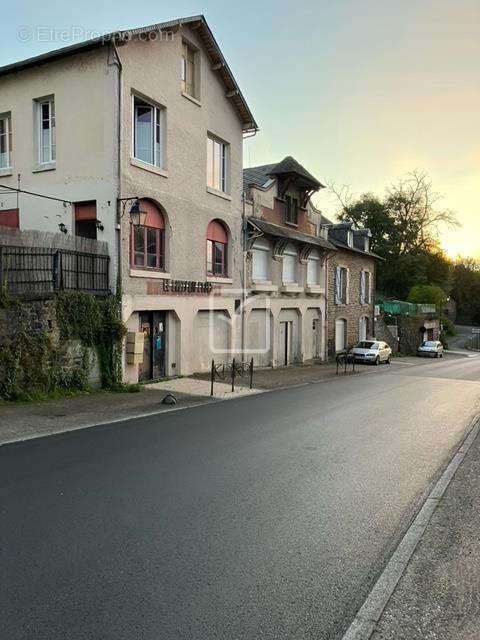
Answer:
[(313, 268), (340, 334), (148, 242), (260, 259), (289, 269), (217, 249)]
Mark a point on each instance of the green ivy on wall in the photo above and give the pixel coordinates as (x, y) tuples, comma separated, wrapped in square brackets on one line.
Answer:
[(35, 363)]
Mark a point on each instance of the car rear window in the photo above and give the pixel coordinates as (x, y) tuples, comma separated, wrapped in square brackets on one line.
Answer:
[(429, 343)]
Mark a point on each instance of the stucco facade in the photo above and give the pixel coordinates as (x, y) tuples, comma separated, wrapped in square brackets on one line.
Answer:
[(84, 89), (186, 308), (188, 205), (286, 312)]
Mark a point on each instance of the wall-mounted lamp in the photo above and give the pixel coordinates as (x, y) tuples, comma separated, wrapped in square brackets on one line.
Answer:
[(137, 215), (62, 228), (99, 225)]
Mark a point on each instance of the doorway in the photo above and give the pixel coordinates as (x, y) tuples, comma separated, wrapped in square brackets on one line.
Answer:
[(152, 325), (285, 343)]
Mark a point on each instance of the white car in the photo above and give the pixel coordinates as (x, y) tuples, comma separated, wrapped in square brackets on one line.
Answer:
[(374, 351), (431, 349)]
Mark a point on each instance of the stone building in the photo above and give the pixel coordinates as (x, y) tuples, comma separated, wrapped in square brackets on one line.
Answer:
[(286, 273), (351, 286), (139, 136)]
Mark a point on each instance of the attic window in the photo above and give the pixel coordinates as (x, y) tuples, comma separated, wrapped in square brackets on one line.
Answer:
[(190, 75), (366, 243), (349, 238), (268, 183)]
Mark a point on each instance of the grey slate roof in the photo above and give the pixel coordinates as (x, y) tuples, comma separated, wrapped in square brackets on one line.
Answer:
[(290, 165), (292, 234), (257, 176), (198, 22)]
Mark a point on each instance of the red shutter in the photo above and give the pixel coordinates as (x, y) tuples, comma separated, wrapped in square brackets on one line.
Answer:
[(85, 211), (216, 232), (9, 218), (154, 215)]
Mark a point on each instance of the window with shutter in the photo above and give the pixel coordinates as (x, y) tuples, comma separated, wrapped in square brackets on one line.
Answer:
[(313, 268), (261, 260), (289, 265)]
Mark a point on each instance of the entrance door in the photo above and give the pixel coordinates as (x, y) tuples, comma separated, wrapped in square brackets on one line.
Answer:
[(317, 336), (152, 325), (158, 344), (362, 329), (285, 342), (340, 334)]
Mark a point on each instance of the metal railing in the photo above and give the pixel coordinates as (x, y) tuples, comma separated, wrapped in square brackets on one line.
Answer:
[(40, 271), (230, 371), (343, 359)]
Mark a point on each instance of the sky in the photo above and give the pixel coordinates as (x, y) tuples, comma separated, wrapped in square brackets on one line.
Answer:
[(359, 91)]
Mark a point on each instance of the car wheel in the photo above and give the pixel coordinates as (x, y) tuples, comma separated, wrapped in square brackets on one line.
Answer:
[(436, 355), (388, 361), (377, 361)]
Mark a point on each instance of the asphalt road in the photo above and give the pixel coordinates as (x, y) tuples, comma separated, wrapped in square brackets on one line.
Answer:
[(264, 517)]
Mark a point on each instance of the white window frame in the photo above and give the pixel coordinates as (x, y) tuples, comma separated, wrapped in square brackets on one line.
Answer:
[(342, 285), (157, 125), (223, 182), (313, 263), (7, 118), (368, 287), (290, 260), (194, 93), (52, 147), (261, 260)]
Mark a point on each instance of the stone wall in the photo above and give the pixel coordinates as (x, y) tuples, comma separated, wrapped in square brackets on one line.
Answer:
[(386, 333), (353, 311), (38, 317)]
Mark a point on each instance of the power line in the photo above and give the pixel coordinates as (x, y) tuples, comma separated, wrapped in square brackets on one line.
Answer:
[(32, 193)]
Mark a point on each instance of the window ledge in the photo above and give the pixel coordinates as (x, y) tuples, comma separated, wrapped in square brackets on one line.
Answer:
[(191, 98), (291, 288), (291, 224), (219, 279), (135, 162), (264, 285), (145, 273), (45, 166), (220, 194), (316, 289), (6, 171)]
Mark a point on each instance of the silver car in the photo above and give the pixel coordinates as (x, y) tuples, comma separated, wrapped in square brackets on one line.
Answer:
[(374, 351), (430, 349)]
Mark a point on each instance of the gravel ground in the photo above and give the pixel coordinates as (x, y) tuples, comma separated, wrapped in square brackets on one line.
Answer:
[(438, 597)]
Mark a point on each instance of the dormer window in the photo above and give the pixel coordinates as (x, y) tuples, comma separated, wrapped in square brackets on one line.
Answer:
[(350, 238), (367, 243), (291, 210)]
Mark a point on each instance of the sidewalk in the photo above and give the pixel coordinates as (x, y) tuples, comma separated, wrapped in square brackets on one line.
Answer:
[(437, 596), (31, 420)]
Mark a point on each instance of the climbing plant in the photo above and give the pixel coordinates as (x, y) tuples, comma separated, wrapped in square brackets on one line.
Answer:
[(39, 361)]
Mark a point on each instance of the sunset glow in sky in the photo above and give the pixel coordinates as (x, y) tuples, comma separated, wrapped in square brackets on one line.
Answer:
[(359, 91)]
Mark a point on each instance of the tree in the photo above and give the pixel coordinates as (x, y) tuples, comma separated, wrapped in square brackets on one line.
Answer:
[(412, 205), (428, 294), (404, 223), (466, 290), (406, 220)]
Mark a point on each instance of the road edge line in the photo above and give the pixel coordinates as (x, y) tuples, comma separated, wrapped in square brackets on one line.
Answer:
[(367, 617)]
